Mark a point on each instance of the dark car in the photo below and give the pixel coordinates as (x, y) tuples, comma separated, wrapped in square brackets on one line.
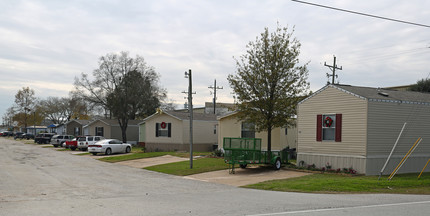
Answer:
[(19, 135), (43, 138), (7, 133), (28, 136)]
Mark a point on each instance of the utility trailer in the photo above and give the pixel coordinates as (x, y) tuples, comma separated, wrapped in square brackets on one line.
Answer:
[(244, 151)]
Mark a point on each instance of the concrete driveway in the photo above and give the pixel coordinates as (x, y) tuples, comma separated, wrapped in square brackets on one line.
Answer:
[(250, 175)]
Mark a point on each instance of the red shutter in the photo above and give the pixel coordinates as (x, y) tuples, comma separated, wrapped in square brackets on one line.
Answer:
[(319, 127), (338, 128)]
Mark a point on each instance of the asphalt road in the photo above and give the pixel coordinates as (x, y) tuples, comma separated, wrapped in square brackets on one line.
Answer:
[(41, 181)]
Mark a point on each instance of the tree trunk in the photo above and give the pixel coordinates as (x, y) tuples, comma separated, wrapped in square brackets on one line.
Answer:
[(269, 143), (123, 123)]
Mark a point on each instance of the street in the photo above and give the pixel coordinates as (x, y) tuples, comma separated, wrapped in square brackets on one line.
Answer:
[(42, 181)]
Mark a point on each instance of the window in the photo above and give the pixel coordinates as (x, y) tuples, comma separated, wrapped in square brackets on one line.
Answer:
[(214, 129), (286, 131), (163, 129), (329, 127), (99, 131), (77, 131), (248, 130)]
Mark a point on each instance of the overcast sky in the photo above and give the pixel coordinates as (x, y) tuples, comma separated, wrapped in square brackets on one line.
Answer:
[(45, 44)]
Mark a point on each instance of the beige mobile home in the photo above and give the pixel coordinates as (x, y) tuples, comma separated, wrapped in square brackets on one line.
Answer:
[(170, 131), (231, 126), (75, 127), (351, 126), (110, 129)]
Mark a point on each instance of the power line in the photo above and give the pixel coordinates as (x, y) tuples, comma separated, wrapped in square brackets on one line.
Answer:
[(363, 14)]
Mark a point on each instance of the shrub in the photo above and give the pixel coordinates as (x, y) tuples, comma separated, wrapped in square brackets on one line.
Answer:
[(218, 153)]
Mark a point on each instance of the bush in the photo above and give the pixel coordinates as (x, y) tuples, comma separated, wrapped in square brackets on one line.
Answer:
[(218, 153)]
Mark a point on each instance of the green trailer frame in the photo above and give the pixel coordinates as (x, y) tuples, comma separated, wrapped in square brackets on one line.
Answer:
[(244, 151)]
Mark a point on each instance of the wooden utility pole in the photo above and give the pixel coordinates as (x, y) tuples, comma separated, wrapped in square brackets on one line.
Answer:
[(190, 110), (333, 69), (215, 88)]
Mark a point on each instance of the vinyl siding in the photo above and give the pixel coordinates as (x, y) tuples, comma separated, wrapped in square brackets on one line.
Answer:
[(384, 125), (232, 127), (333, 101)]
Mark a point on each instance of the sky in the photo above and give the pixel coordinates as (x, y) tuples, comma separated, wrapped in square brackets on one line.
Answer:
[(45, 44)]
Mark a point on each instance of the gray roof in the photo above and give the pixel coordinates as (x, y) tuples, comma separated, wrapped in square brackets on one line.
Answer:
[(113, 122), (80, 121), (196, 116), (386, 95)]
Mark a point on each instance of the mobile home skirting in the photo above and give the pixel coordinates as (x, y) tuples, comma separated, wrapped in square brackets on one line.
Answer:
[(197, 147), (358, 163)]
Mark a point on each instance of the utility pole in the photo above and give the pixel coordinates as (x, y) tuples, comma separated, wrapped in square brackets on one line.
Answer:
[(215, 88), (333, 69), (190, 110)]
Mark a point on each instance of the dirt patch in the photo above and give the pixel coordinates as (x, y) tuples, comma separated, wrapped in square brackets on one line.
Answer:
[(251, 175), (147, 162)]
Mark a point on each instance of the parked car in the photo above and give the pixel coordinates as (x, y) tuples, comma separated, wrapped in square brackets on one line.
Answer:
[(59, 140), (19, 135), (72, 144), (28, 136), (6, 133), (84, 141), (109, 146), (43, 138)]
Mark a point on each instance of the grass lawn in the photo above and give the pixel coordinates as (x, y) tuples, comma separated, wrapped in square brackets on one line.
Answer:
[(182, 168), (333, 183), (64, 149), (138, 154)]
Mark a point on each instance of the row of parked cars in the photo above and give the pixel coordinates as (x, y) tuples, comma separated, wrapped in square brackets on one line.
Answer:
[(92, 144)]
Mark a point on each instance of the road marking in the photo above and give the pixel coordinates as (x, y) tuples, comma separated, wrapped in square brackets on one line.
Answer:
[(335, 209)]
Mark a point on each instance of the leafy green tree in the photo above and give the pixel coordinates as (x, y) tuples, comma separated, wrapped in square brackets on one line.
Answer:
[(269, 81), (422, 85), (134, 97)]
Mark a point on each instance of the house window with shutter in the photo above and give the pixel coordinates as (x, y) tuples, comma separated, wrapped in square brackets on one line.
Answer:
[(99, 131), (329, 127), (163, 129)]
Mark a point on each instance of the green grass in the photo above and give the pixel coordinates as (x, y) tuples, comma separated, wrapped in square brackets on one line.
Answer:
[(183, 168), (333, 183), (83, 153), (64, 149), (140, 155), (47, 146)]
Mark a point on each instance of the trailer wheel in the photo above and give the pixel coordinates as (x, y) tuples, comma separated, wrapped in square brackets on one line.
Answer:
[(278, 164), (243, 166)]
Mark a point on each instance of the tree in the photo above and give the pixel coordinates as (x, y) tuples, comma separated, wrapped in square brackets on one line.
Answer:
[(135, 96), (269, 82), (25, 103), (422, 85), (125, 86), (60, 110)]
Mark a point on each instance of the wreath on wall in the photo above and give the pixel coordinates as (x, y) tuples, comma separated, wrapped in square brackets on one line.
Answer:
[(328, 121), (163, 125)]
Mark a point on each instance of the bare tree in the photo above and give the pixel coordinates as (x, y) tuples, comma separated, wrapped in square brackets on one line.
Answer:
[(119, 85), (25, 104)]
